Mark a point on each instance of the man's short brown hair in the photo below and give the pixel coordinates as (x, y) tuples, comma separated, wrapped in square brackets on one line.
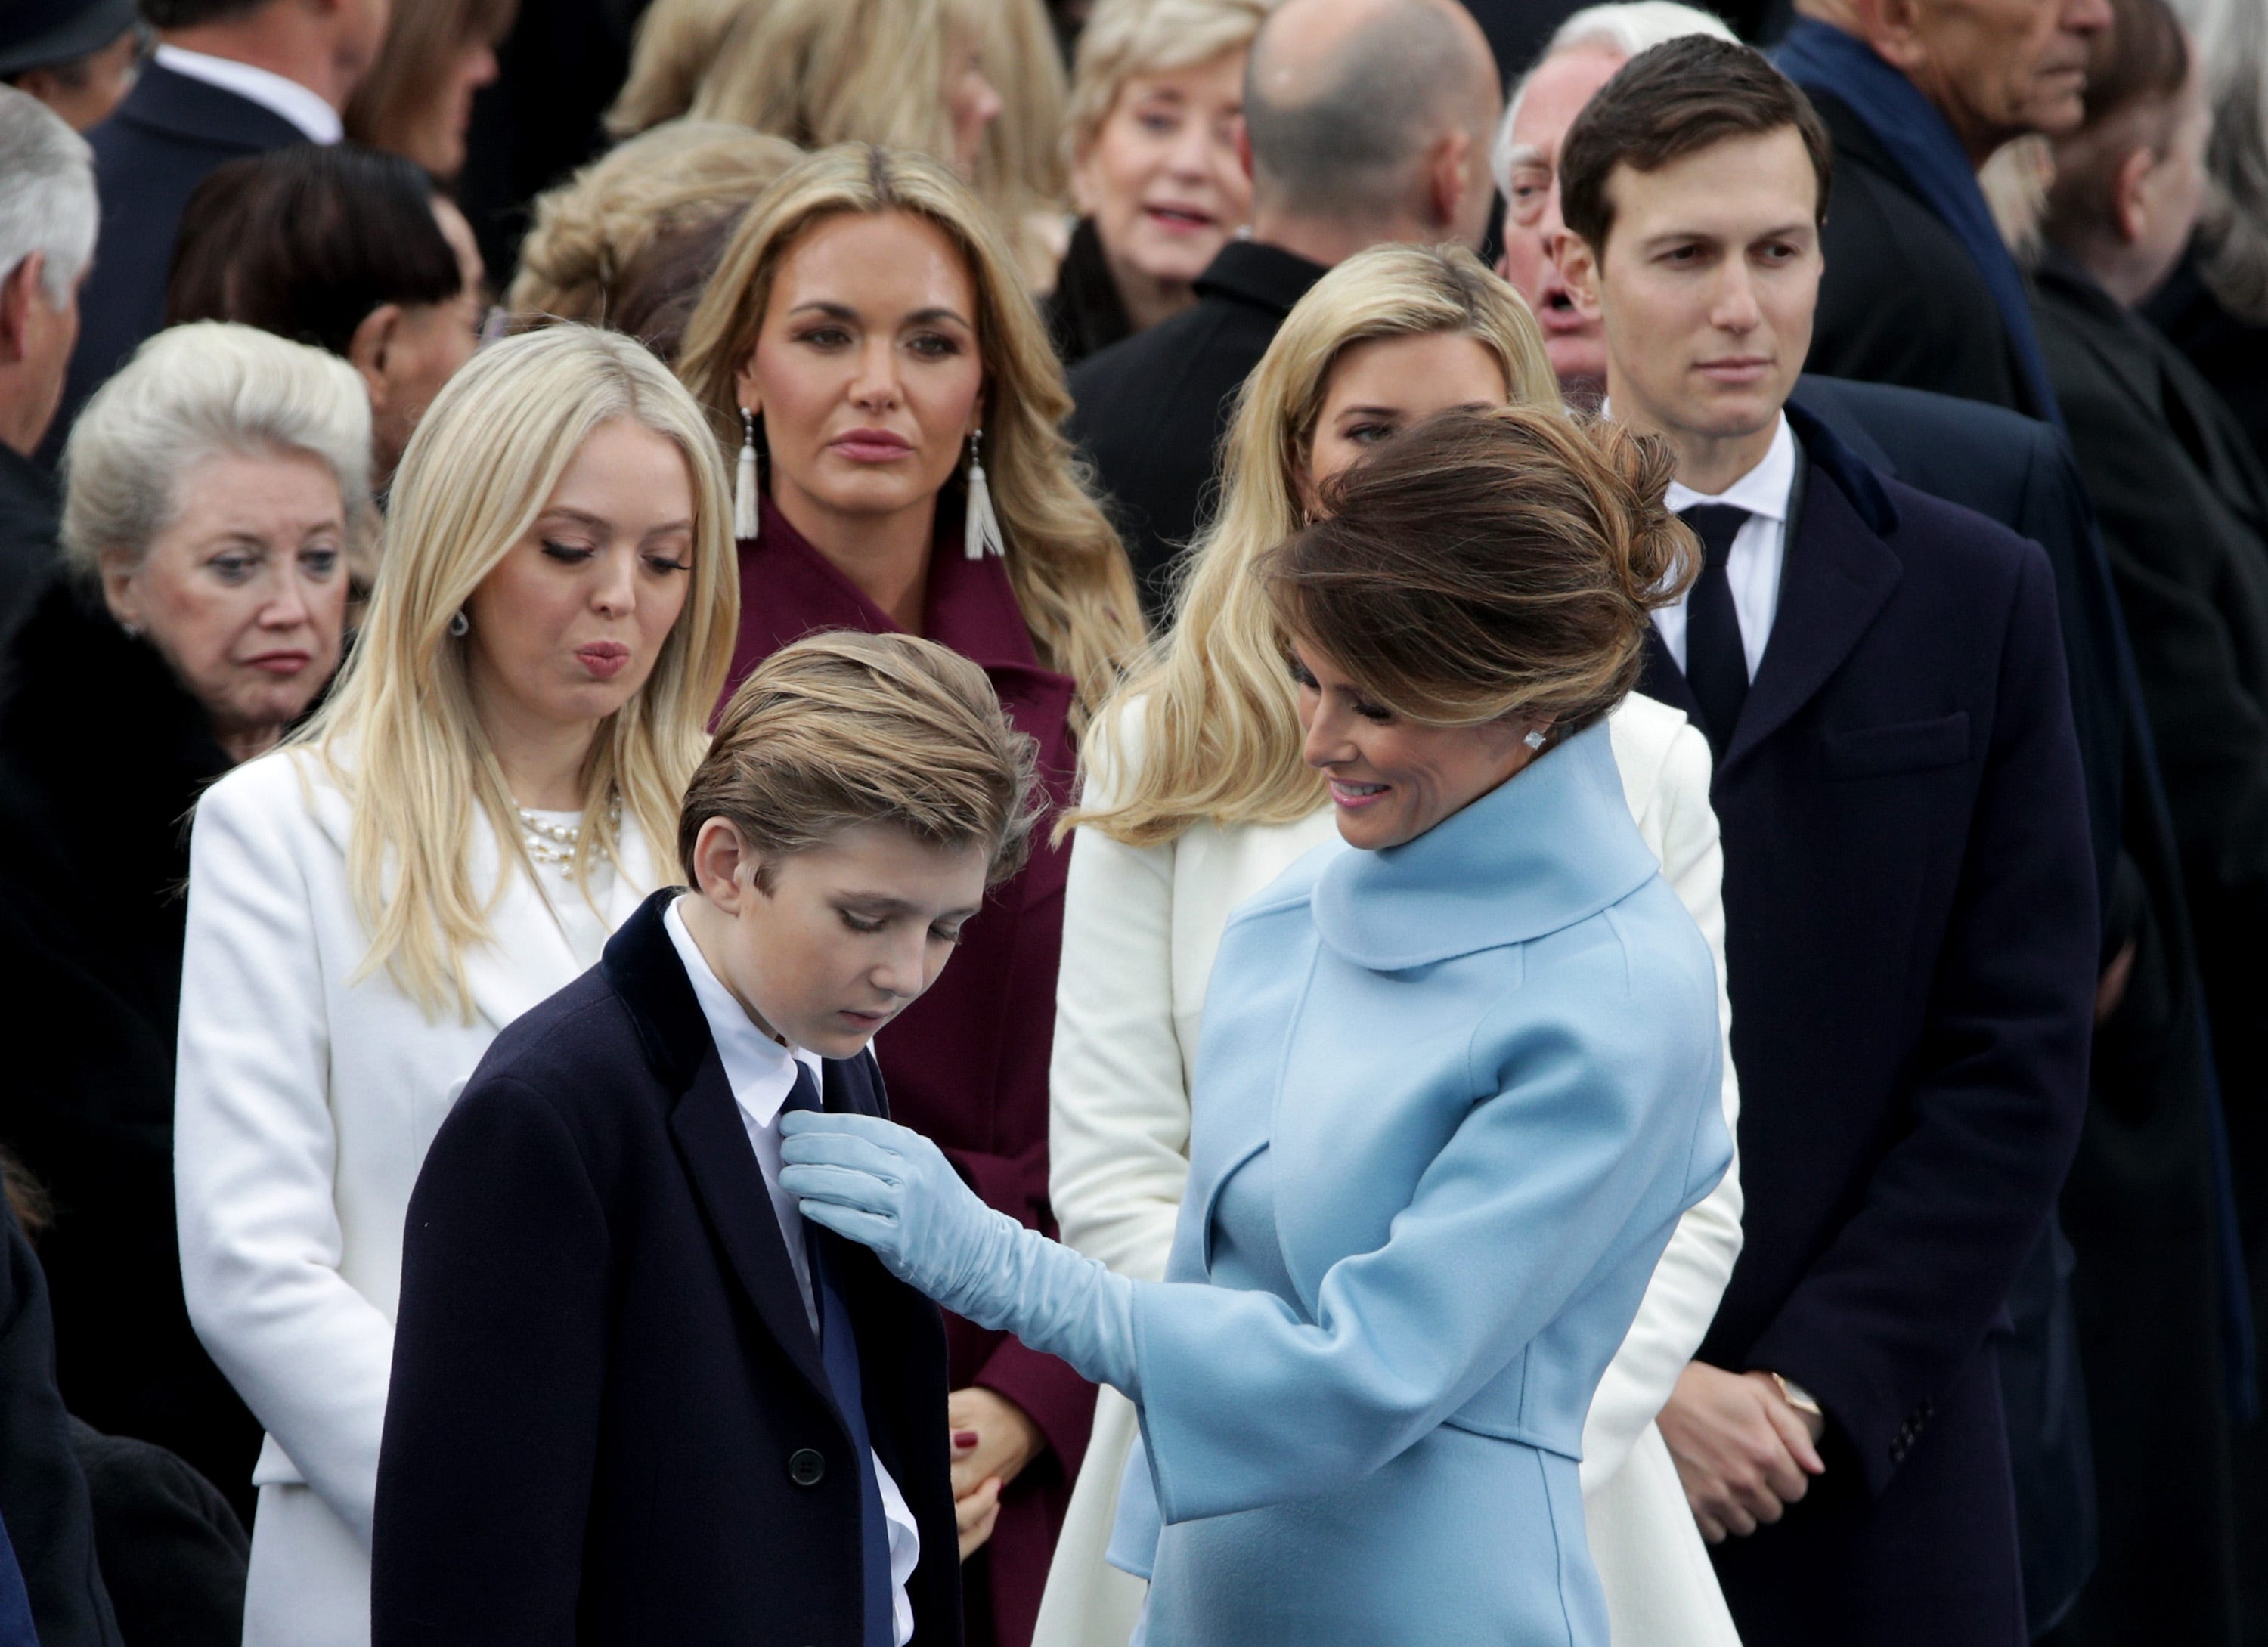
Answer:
[(842, 729), (1672, 101)]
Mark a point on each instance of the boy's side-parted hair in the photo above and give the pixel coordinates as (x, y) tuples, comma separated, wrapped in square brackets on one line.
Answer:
[(845, 728), (1672, 101)]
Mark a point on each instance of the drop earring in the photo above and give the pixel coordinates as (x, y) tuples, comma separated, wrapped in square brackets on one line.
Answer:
[(981, 536), (459, 625), (746, 519)]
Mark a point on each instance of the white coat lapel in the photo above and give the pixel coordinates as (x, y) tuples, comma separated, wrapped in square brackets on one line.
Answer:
[(527, 956)]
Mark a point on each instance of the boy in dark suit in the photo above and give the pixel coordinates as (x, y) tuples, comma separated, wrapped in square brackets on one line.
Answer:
[(634, 1397)]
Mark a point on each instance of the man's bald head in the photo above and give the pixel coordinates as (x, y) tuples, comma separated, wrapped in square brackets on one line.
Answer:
[(1348, 104)]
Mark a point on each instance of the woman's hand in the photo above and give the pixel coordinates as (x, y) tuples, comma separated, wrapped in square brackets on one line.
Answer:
[(993, 1441), (992, 1437), (885, 1186), (878, 1184), (974, 1516)]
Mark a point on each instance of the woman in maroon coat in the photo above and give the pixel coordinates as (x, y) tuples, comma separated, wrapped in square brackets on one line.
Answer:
[(868, 347)]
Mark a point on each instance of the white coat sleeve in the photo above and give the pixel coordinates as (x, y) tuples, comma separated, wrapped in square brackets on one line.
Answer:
[(254, 1148), (1681, 1299), (1118, 1132)]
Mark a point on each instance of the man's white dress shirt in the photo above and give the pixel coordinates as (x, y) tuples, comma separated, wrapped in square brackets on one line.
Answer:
[(761, 1074), (296, 103), (1752, 566)]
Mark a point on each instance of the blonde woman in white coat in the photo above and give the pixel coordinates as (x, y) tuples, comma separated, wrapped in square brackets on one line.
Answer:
[(453, 840), (1197, 797)]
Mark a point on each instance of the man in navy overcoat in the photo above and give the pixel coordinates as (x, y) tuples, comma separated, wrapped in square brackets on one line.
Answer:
[(1909, 890)]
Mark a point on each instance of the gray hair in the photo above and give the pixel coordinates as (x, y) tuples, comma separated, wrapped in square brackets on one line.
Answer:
[(2232, 43), (1345, 147), (47, 194), (204, 390), (1625, 27)]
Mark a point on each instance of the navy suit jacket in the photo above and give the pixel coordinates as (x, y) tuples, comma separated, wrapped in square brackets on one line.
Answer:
[(1910, 946), (608, 1421), (149, 157)]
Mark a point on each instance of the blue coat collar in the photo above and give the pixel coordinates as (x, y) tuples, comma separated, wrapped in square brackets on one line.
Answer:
[(1553, 846)]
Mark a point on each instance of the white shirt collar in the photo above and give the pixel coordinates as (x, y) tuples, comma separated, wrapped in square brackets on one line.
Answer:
[(759, 1069), (296, 103), (1764, 490)]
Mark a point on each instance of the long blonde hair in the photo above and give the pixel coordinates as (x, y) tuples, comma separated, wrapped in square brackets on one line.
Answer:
[(1219, 733), (675, 42), (400, 735), (1070, 576), (826, 72)]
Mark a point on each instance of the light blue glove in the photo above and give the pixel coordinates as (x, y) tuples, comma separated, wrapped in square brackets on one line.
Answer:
[(884, 1186)]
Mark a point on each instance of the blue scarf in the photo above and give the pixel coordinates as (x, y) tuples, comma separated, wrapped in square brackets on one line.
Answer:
[(1820, 57)]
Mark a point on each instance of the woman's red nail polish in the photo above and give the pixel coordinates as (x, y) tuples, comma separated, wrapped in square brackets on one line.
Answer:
[(964, 1437)]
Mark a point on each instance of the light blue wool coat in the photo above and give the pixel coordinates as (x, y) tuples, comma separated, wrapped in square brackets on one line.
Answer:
[(1450, 1099)]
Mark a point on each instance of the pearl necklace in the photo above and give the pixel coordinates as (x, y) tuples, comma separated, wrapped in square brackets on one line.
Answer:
[(549, 842)]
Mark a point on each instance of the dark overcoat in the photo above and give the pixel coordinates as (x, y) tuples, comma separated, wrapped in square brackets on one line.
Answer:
[(103, 754), (1150, 412), (608, 1423), (968, 1062), (1910, 944), (1902, 300), (2127, 1531), (2183, 503)]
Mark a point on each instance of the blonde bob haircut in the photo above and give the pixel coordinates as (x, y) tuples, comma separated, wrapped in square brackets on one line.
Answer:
[(208, 389), (675, 42), (1124, 40), (842, 729), (590, 231), (826, 71), (1211, 708), (1070, 576), (400, 735)]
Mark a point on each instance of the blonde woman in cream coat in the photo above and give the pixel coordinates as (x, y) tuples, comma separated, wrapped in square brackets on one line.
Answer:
[(1197, 798), (467, 821)]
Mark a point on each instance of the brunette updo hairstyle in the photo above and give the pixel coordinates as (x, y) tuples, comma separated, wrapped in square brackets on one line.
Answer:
[(1489, 563)]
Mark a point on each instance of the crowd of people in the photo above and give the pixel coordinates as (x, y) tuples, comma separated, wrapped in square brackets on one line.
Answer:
[(1097, 823)]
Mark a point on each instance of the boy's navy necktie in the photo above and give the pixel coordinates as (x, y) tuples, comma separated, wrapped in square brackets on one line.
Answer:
[(838, 1353), (1716, 663)]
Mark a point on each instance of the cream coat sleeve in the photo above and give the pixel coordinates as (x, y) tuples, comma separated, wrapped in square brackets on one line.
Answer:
[(256, 1152), (1681, 1299), (1118, 1130)]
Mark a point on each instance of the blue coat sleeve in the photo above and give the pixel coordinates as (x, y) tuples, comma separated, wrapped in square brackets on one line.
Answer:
[(1600, 1122)]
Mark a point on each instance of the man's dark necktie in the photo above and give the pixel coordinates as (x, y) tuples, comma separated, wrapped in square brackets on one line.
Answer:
[(1716, 665), (838, 1353)]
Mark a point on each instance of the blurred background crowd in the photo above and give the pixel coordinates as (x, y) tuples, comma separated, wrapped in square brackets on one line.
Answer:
[(244, 243)]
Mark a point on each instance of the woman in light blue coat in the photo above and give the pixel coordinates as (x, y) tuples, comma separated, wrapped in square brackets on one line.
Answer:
[(1459, 1078)]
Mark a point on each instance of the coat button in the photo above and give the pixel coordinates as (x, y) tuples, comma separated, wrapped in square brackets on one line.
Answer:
[(805, 1467)]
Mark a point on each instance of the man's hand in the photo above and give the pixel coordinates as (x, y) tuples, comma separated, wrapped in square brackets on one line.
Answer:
[(1743, 1453), (993, 1440)]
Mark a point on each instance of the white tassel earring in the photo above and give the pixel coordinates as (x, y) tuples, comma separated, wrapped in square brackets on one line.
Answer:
[(983, 534), (746, 519)]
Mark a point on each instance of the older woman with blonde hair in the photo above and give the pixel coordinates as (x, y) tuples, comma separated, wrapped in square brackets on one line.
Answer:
[(593, 232), (453, 839), (1199, 796), (1157, 95), (867, 346)]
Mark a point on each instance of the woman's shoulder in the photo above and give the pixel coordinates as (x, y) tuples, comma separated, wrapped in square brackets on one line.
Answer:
[(288, 792), (1658, 751)]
